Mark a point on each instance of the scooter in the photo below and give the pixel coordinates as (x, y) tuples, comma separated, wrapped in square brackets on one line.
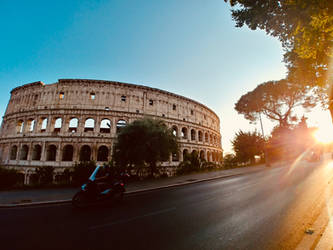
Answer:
[(92, 193)]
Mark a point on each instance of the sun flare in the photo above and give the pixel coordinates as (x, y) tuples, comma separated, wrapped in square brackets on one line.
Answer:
[(324, 135)]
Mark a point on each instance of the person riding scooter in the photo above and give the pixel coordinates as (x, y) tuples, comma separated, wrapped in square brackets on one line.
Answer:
[(106, 180)]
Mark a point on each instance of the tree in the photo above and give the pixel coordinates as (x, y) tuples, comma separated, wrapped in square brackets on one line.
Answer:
[(45, 174), (145, 141), (276, 100), (248, 144), (305, 29), (82, 171)]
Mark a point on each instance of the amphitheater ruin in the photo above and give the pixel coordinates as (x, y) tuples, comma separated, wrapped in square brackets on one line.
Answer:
[(76, 120)]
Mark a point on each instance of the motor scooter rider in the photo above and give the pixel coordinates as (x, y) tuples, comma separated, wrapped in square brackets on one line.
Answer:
[(106, 180)]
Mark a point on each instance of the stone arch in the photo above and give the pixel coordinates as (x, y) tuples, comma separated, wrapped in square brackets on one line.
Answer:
[(184, 133), (213, 156), (175, 156), (202, 155), (208, 156), (51, 153), (120, 124), (103, 153), (85, 153), (206, 137), (43, 122), (36, 152), (13, 152), (210, 139), (89, 125), (24, 153), (105, 127), (67, 153), (31, 125), (57, 124), (192, 135), (20, 126), (185, 154), (200, 135), (73, 125), (174, 130)]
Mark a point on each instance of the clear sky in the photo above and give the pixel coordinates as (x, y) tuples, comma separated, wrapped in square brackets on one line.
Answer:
[(187, 47)]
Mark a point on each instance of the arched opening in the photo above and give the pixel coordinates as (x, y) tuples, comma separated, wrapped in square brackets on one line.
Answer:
[(20, 126), (24, 153), (103, 153), (213, 156), (211, 139), (206, 137), (85, 153), (120, 125), (13, 153), (31, 125), (51, 153), (202, 155), (43, 124), (184, 133), (192, 134), (200, 136), (105, 127), (57, 125), (185, 154), (73, 125), (89, 125), (175, 156), (175, 130), (67, 153), (194, 153), (208, 156), (36, 153)]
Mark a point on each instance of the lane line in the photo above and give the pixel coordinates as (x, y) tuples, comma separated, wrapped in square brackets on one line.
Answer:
[(133, 219)]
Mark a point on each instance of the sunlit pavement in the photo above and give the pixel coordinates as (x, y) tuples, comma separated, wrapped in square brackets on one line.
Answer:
[(271, 209)]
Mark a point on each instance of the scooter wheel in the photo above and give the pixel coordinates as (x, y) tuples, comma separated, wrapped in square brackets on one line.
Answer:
[(79, 200)]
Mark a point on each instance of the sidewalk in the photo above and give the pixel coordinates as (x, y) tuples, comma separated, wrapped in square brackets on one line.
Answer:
[(59, 195)]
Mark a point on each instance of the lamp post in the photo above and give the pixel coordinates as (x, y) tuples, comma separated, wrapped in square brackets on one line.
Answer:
[(265, 148)]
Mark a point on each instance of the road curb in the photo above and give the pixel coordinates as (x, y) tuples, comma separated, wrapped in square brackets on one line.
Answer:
[(41, 203)]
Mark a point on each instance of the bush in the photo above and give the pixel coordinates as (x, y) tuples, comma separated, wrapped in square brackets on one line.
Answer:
[(9, 178), (230, 161), (45, 175), (82, 171)]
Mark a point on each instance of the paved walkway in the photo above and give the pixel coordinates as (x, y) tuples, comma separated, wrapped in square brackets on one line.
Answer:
[(63, 194)]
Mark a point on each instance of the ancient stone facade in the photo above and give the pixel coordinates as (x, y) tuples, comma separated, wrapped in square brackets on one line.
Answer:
[(75, 119)]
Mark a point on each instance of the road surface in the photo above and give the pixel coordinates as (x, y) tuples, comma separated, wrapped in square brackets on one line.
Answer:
[(270, 209)]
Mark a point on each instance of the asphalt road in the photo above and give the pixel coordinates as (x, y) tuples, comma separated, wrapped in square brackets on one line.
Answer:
[(265, 210)]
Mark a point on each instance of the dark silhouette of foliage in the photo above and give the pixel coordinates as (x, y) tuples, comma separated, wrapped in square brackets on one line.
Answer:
[(144, 142), (276, 100), (8, 178), (45, 175), (82, 171), (229, 161), (248, 144), (288, 142), (303, 27)]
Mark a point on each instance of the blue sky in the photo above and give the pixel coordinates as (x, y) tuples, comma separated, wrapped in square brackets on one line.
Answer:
[(187, 47)]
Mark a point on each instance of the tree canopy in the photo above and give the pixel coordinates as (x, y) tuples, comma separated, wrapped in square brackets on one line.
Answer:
[(248, 144), (144, 141), (276, 100), (304, 27)]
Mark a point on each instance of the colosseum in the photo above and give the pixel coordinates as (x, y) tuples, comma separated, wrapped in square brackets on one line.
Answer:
[(77, 120)]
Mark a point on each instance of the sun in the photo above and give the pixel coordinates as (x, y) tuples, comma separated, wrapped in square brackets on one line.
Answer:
[(324, 135)]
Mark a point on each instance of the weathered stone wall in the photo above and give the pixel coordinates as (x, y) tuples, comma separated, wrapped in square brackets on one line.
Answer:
[(38, 123)]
